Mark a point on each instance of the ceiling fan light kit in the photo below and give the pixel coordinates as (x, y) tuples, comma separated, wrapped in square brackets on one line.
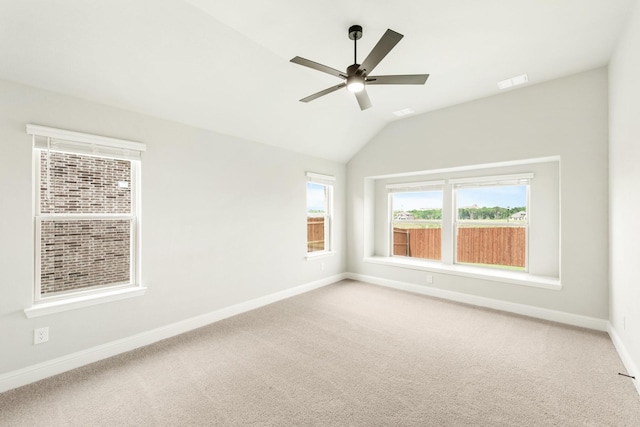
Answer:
[(355, 83), (358, 76)]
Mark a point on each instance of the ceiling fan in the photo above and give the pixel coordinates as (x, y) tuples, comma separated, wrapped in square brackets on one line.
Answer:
[(357, 75)]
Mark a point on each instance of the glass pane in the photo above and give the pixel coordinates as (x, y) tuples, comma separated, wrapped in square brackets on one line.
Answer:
[(501, 203), (492, 245), (78, 254), (493, 228), (72, 183), (417, 224), (317, 221)]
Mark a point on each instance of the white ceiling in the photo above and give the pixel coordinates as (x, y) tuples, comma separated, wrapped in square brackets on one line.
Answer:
[(224, 65)]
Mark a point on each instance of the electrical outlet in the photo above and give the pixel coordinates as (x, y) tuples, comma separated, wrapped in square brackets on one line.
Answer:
[(322, 266), (624, 323), (41, 335), (429, 278)]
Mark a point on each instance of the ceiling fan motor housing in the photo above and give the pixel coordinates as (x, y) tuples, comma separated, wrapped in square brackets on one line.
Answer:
[(352, 70), (355, 32)]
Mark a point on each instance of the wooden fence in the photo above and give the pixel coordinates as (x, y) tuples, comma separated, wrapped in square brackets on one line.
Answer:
[(492, 245), (476, 245), (315, 234), (418, 242)]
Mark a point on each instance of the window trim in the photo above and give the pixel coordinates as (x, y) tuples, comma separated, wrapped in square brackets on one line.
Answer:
[(464, 270), (85, 145), (84, 300)]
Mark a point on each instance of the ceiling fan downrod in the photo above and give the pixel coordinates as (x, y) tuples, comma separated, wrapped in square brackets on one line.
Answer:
[(355, 34)]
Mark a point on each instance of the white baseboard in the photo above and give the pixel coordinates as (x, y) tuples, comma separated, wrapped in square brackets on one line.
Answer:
[(56, 366), (46, 369), (627, 361), (525, 310)]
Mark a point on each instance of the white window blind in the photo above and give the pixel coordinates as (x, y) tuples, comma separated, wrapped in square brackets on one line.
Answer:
[(321, 178), (52, 139), (516, 179), (414, 186)]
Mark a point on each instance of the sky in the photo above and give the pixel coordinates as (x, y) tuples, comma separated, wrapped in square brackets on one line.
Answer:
[(511, 196), (418, 200), (315, 197), (504, 197)]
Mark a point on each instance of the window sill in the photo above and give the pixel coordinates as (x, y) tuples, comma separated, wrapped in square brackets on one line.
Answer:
[(316, 255), (73, 303), (513, 277)]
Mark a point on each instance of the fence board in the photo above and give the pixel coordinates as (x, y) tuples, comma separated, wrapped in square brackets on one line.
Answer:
[(492, 245), (315, 234), (401, 242), (426, 243), (422, 242)]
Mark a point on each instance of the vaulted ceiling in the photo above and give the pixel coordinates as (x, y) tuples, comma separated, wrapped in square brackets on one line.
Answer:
[(224, 65)]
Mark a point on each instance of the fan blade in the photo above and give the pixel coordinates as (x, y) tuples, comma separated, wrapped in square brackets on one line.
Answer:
[(384, 46), (323, 92), (306, 63), (363, 99), (410, 79)]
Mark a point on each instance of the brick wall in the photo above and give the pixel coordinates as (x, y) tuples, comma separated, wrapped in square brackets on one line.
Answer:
[(82, 253), (84, 184)]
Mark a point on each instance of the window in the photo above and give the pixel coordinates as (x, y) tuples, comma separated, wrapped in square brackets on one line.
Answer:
[(319, 212), (416, 219), (491, 222), (87, 213), (499, 221), (480, 221)]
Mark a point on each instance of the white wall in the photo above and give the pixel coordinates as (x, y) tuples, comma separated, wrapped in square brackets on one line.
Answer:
[(565, 117), (624, 188), (223, 222)]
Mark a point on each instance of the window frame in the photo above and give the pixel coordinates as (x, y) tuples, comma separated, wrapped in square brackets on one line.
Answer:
[(414, 187), (488, 182), (76, 143), (328, 181), (450, 221)]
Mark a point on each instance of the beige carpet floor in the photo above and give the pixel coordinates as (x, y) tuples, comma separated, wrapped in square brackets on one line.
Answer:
[(350, 354)]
